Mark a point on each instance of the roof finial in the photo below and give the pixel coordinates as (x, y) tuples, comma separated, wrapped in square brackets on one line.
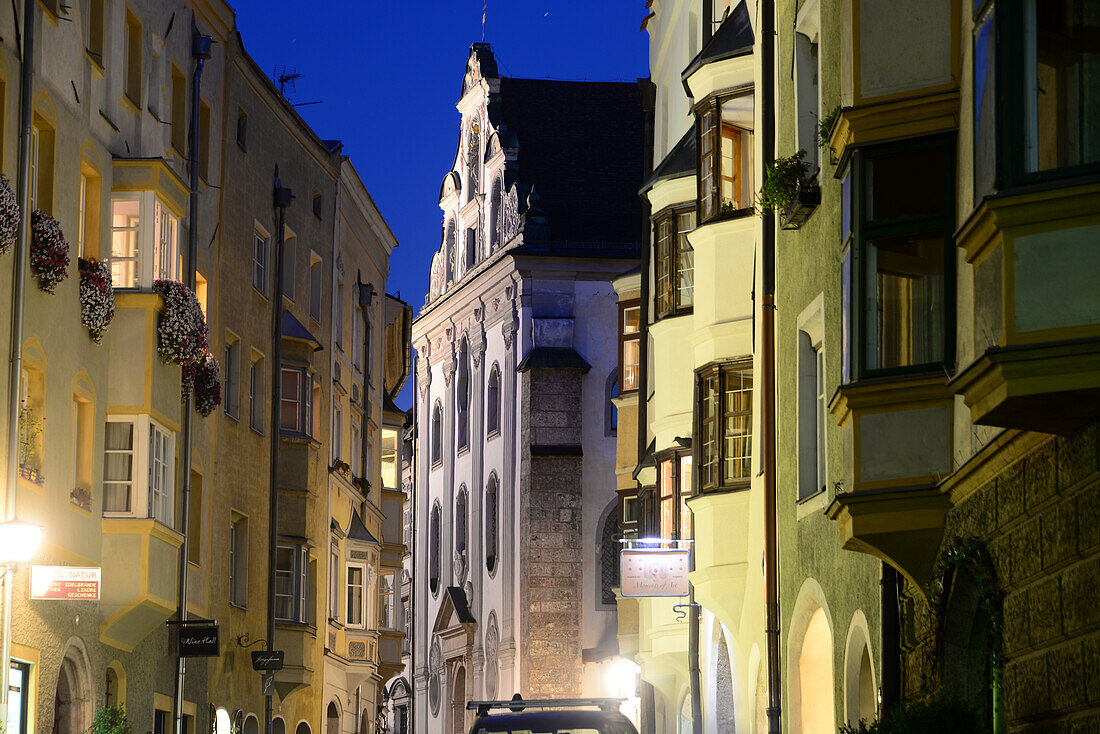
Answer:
[(484, 9)]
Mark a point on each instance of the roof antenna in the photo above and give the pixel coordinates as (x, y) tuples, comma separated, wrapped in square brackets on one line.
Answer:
[(285, 78), (484, 9)]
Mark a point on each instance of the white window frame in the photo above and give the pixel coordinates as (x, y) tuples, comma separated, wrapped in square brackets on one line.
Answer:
[(152, 471), (158, 254), (299, 577), (334, 581), (303, 401), (82, 214), (387, 606), (356, 591)]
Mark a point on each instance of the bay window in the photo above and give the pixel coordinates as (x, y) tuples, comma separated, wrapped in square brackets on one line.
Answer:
[(140, 253), (674, 262), (139, 454), (356, 590), (902, 277), (389, 458), (724, 125), (724, 425), (292, 583), (296, 409), (673, 490)]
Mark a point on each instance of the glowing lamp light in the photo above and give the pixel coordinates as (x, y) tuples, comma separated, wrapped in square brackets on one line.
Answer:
[(222, 723), (18, 541)]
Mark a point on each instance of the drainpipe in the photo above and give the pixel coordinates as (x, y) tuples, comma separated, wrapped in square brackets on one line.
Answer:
[(365, 294), (200, 52), (281, 199), (768, 422), (26, 91)]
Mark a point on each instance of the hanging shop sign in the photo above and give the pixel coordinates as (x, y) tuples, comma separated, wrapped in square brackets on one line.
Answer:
[(654, 572), (267, 660), (199, 640), (65, 582)]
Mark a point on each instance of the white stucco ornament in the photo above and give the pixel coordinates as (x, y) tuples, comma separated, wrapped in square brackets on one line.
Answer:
[(511, 214)]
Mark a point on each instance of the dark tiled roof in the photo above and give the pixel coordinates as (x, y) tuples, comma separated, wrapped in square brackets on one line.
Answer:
[(358, 531), (560, 358), (680, 161), (733, 38), (292, 329), (580, 145)]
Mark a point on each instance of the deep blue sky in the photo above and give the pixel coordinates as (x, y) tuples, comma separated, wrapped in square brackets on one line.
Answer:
[(389, 75)]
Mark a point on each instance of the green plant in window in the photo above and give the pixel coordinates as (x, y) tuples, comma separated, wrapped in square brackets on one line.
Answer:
[(110, 720), (30, 428), (341, 466), (825, 126), (944, 713), (728, 206), (781, 183)]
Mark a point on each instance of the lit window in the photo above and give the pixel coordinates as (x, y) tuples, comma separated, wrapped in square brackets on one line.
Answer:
[(630, 315), (389, 458), (139, 482), (141, 255), (724, 127)]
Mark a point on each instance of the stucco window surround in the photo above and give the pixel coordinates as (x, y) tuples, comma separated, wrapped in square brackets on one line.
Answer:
[(807, 76), (492, 528), (492, 402), (723, 425), (461, 528), (434, 542), (812, 405), (898, 277), (860, 682), (724, 130), (139, 469), (145, 242), (1032, 111), (462, 398), (673, 261)]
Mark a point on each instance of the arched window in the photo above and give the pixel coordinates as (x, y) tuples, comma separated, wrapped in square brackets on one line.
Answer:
[(451, 245), (433, 550), (278, 726), (473, 158), (496, 215), (302, 728), (437, 433), (461, 520), (491, 524), (607, 554), (492, 402), (332, 719), (462, 398)]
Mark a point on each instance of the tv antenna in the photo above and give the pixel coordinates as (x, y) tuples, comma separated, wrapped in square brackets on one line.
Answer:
[(286, 77)]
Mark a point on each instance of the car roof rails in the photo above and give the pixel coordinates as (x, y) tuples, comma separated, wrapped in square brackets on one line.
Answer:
[(517, 703)]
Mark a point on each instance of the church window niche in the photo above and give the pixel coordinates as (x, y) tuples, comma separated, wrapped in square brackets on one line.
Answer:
[(433, 550), (437, 434), (473, 158), (462, 399), (450, 245), (491, 525), (461, 516), (492, 402), (496, 215), (471, 250)]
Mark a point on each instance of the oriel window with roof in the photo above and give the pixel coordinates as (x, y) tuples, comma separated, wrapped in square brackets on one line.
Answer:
[(724, 127), (674, 262)]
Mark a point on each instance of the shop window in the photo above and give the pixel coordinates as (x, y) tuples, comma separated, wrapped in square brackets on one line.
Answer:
[(724, 129), (292, 579), (724, 425), (138, 469), (903, 248), (674, 262)]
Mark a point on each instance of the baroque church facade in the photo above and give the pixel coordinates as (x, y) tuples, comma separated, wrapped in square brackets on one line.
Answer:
[(515, 553)]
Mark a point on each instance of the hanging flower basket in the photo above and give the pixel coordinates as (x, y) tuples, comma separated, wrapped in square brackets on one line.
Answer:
[(202, 379), (9, 215), (361, 483), (182, 329), (97, 298), (340, 466), (49, 251)]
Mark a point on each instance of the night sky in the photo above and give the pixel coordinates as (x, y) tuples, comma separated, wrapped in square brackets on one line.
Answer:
[(388, 75)]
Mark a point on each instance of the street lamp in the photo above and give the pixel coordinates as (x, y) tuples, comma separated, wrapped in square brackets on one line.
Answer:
[(18, 541)]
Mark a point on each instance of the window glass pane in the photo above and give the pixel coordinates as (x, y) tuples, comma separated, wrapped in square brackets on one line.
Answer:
[(985, 136), (289, 418), (259, 262), (631, 359), (709, 448), (125, 228), (846, 207), (285, 557), (907, 183), (667, 484), (685, 492), (707, 147), (118, 465), (664, 266), (389, 459), (731, 168), (1062, 96), (905, 274), (846, 317), (355, 595), (685, 260), (736, 425), (632, 319)]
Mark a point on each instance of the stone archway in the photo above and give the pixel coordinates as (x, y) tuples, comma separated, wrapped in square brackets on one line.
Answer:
[(72, 701), (332, 719)]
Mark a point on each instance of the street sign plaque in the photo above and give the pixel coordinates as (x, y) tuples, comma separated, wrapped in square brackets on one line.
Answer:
[(654, 572), (199, 640), (65, 582), (267, 660)]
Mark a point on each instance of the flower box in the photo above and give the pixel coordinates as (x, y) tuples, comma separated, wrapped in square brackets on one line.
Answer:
[(801, 206)]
